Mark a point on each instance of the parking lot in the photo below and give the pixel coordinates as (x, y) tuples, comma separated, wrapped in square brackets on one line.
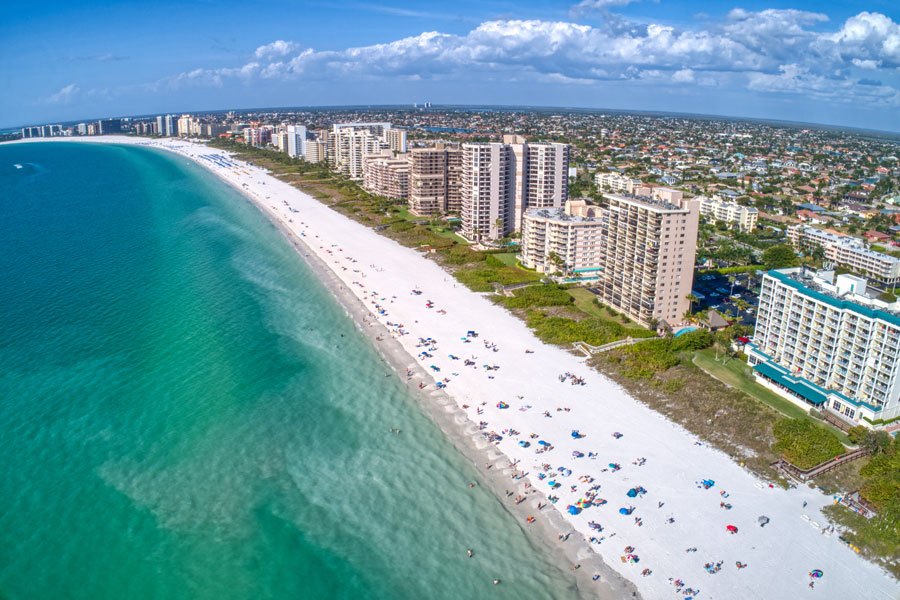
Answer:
[(717, 292)]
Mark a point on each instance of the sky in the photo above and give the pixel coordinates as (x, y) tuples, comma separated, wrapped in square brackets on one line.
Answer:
[(832, 61)]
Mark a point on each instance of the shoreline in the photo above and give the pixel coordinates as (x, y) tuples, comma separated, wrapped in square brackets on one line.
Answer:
[(443, 411), (669, 457)]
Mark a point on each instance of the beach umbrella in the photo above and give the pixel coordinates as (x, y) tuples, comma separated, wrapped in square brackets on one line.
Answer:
[(732, 529), (632, 493), (763, 520), (573, 510), (613, 465), (815, 573), (502, 405), (543, 443), (626, 511)]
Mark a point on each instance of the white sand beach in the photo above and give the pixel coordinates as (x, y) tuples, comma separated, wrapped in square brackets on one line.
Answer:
[(523, 402)]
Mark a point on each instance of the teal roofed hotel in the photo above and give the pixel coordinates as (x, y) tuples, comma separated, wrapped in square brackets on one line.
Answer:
[(823, 342)]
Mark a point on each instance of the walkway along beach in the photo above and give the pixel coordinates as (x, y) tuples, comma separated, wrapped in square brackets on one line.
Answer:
[(664, 511)]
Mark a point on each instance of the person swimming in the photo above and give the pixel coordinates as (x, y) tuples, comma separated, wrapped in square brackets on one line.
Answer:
[(469, 552)]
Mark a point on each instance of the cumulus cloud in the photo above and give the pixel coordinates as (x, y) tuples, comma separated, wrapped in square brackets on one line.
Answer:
[(867, 36), (64, 95), (771, 51), (276, 48)]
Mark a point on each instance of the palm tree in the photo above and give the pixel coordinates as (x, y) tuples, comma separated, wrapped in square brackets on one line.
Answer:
[(691, 298)]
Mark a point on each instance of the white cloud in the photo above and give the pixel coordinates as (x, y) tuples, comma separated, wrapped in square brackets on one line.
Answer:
[(586, 6), (867, 36), (276, 48), (683, 76), (64, 95), (866, 64), (770, 51)]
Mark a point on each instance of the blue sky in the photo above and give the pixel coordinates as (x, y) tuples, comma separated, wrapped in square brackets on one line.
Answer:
[(827, 62)]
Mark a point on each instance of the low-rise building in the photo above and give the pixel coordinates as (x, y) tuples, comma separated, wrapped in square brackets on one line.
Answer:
[(847, 251), (566, 238), (716, 209), (614, 182), (822, 341)]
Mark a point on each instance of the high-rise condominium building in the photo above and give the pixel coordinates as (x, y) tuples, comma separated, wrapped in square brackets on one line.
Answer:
[(639, 249), (387, 176), (296, 141), (352, 142), (485, 190), (649, 247), (716, 209), (824, 342), (434, 179), (316, 151), (160, 125), (171, 126), (847, 251), (107, 126), (213, 129), (500, 181), (184, 125), (396, 139), (257, 136)]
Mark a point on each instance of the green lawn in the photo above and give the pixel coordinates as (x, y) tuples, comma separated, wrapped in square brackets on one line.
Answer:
[(510, 259), (584, 301), (733, 374)]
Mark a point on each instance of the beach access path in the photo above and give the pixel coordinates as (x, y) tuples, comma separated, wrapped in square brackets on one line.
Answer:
[(528, 399)]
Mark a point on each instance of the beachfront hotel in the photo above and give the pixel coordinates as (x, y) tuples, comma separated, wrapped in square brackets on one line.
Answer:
[(639, 250), (847, 251), (822, 341), (434, 180), (502, 180), (567, 238), (732, 213)]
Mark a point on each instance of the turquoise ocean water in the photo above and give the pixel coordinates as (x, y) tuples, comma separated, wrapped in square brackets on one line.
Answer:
[(180, 418)]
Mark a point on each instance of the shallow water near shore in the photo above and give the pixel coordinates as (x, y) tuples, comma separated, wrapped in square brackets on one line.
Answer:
[(186, 412)]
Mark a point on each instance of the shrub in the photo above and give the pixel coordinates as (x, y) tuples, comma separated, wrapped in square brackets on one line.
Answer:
[(539, 295), (804, 443), (559, 330), (693, 340)]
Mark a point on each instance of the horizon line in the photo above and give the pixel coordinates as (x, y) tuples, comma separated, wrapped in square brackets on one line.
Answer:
[(509, 107)]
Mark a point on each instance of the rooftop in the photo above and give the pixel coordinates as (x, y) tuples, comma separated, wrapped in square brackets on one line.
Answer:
[(645, 200)]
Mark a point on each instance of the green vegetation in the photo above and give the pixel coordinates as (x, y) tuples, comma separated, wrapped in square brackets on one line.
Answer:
[(510, 259), (479, 279), (587, 302), (733, 373), (538, 295), (878, 536), (731, 270), (643, 361), (804, 444), (779, 257), (593, 330)]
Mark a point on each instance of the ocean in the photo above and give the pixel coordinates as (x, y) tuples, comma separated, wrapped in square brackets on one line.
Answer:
[(186, 412)]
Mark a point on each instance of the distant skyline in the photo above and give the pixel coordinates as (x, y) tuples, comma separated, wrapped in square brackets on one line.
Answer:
[(831, 62)]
